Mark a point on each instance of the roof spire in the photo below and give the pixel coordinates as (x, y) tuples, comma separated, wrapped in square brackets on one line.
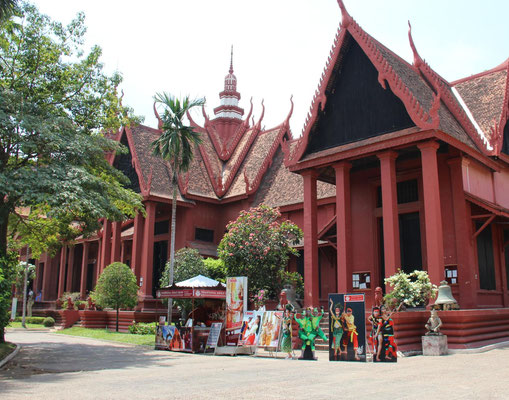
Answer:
[(231, 62), (345, 17)]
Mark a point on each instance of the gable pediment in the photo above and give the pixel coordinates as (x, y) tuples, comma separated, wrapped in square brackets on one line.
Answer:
[(357, 106)]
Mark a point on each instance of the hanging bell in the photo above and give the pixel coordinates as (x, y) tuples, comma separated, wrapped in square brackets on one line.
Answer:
[(445, 297)]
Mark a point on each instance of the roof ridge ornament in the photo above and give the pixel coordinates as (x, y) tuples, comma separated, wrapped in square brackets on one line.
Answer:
[(418, 61), (231, 61), (346, 18), (159, 120)]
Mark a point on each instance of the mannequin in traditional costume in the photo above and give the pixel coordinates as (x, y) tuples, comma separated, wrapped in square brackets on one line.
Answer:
[(286, 339)]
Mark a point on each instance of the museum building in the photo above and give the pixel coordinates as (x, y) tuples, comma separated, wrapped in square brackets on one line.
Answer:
[(396, 168)]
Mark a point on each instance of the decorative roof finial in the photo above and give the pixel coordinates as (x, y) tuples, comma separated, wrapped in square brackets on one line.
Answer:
[(417, 58), (345, 17), (231, 62)]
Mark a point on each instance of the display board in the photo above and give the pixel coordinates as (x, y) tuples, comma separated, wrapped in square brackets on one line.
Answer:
[(169, 337), (236, 306), (347, 327), (213, 339), (251, 327), (271, 329)]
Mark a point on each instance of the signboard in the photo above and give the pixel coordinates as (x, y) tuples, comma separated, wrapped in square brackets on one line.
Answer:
[(347, 327), (200, 293), (251, 327), (236, 306), (215, 331), (169, 337), (271, 328)]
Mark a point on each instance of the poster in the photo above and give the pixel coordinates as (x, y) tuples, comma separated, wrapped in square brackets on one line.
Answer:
[(271, 328), (251, 327), (236, 306), (381, 341), (169, 337), (347, 327)]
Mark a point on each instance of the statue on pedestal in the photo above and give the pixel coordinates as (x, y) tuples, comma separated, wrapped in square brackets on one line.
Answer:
[(434, 323)]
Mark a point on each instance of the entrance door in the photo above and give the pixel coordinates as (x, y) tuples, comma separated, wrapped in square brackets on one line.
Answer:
[(410, 242), (160, 257)]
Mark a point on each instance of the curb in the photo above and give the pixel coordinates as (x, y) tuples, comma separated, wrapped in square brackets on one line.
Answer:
[(10, 356), (479, 349)]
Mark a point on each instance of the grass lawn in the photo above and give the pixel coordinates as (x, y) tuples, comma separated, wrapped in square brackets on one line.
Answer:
[(143, 340), (14, 324), (6, 349)]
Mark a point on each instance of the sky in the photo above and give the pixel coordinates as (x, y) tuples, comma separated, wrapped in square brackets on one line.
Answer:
[(280, 46)]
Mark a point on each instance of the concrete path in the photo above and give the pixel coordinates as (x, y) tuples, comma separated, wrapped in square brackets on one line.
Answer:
[(51, 366)]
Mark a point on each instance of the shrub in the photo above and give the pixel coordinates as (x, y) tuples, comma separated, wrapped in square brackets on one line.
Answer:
[(31, 320), (75, 296), (413, 289), (48, 322), (215, 269), (141, 328)]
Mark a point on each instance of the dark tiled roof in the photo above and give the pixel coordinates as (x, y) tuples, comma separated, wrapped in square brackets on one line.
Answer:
[(484, 97)]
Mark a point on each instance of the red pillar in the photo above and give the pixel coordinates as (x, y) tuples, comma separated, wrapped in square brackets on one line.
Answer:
[(465, 257), (115, 243), (137, 245), (46, 277), (392, 252), (84, 267), (97, 269), (432, 211), (70, 269), (61, 275), (311, 286), (343, 227), (106, 246), (147, 254)]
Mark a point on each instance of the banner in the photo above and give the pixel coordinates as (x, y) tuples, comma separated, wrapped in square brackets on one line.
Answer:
[(347, 327), (271, 328), (251, 327), (236, 306)]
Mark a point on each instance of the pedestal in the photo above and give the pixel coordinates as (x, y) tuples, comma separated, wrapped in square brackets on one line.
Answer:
[(434, 345)]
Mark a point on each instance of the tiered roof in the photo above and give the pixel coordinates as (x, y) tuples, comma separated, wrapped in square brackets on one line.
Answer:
[(229, 164)]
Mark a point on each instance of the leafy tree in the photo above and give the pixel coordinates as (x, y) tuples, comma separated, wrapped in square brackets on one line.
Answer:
[(20, 276), (188, 264), (258, 246), (215, 269), (175, 145), (8, 264), (7, 8), (55, 104), (117, 288)]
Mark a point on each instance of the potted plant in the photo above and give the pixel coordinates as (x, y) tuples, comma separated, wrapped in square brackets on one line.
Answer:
[(412, 290)]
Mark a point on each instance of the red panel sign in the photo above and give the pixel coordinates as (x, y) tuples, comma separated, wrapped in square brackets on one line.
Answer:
[(354, 297)]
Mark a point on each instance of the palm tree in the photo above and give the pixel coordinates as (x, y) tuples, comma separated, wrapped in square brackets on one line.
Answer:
[(175, 145)]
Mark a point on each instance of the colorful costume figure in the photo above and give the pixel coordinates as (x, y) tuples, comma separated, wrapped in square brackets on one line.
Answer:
[(315, 324), (375, 319), (350, 334), (385, 334), (306, 333), (336, 328), (286, 339)]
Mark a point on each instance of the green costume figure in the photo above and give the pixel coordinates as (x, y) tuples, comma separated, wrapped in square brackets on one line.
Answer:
[(315, 323), (305, 332)]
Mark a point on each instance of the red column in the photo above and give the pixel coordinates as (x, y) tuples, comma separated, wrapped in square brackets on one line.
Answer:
[(147, 254), (115, 243), (84, 267), (392, 252), (97, 269), (137, 245), (343, 227), (432, 211), (106, 246), (61, 275), (311, 286), (465, 257), (46, 277)]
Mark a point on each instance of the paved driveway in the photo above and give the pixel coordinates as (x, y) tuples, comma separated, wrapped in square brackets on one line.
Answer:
[(52, 366)]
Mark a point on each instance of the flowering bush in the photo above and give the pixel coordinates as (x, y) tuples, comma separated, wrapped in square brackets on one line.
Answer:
[(413, 289), (258, 246), (260, 298)]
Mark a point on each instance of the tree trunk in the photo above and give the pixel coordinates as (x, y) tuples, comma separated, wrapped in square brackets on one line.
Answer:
[(117, 319), (4, 222), (172, 242)]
